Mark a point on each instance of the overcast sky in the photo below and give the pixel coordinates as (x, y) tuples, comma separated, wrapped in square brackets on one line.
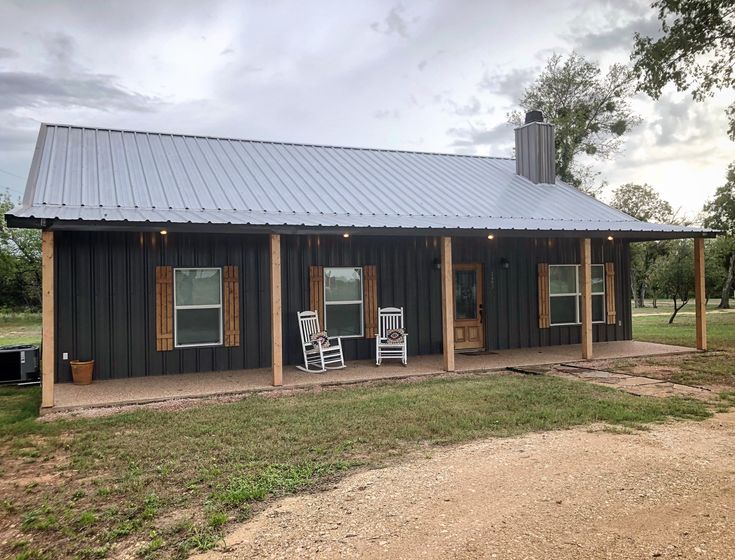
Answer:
[(421, 75)]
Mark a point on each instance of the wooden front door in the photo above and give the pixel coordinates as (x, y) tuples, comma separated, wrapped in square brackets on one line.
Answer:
[(469, 330)]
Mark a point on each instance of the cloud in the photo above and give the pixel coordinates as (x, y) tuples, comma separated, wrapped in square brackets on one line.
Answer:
[(510, 84), (394, 23), (470, 109), (387, 114), (613, 37), (7, 53), (474, 136), (96, 91)]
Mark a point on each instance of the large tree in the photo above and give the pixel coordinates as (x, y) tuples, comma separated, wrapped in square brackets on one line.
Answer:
[(720, 214), (590, 111), (644, 203), (20, 263), (695, 51), (673, 274)]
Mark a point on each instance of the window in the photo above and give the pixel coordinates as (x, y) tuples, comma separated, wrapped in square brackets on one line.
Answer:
[(566, 297), (343, 310), (197, 306)]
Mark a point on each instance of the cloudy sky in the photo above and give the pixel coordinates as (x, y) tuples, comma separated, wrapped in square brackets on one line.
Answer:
[(420, 75)]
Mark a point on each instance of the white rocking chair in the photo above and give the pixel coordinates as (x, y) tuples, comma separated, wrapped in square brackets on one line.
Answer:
[(318, 358), (390, 318)]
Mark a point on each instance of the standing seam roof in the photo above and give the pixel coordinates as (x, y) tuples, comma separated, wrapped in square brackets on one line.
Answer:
[(115, 175)]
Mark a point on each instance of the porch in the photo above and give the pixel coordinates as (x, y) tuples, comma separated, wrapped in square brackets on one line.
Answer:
[(140, 390)]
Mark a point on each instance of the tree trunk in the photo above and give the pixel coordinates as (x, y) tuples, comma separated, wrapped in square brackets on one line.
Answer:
[(727, 287), (632, 288), (655, 300), (642, 295), (677, 309)]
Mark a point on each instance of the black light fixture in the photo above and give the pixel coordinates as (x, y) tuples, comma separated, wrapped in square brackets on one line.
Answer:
[(436, 264), (504, 263)]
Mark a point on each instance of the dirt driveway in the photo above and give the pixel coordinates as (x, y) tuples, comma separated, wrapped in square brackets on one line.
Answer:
[(584, 493)]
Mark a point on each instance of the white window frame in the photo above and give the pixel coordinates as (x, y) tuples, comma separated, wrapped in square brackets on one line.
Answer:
[(209, 306), (361, 301), (577, 295)]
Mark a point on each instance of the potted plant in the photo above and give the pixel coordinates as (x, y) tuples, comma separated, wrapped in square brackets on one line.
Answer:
[(81, 371)]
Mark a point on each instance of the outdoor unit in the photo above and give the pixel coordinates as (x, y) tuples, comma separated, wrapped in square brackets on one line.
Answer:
[(18, 364)]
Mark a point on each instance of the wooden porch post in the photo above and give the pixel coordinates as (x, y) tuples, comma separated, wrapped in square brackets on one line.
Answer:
[(48, 360), (447, 303), (586, 291), (276, 319), (699, 294)]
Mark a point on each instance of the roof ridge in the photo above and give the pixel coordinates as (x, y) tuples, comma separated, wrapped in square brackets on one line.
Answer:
[(277, 142)]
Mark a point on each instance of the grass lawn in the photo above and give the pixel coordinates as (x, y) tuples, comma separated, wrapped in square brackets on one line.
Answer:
[(162, 484), (20, 328)]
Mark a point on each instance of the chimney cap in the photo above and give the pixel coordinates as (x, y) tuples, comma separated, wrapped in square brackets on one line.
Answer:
[(534, 116)]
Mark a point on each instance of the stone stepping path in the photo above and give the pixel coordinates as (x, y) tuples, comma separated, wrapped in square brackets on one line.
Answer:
[(634, 384)]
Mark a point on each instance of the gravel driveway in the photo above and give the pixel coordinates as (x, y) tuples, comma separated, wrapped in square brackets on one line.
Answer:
[(583, 493)]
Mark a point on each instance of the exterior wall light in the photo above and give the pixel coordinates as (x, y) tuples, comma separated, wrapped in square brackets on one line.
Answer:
[(504, 263), (491, 236), (610, 237), (345, 235), (164, 232)]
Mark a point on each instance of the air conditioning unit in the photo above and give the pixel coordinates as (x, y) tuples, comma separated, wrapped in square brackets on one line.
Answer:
[(19, 364)]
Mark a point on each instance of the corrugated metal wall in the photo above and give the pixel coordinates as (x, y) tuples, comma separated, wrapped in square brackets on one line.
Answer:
[(106, 289)]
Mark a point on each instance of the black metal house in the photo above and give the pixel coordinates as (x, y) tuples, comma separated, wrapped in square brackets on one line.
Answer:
[(166, 254)]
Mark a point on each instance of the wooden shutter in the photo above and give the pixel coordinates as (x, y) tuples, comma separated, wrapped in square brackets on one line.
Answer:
[(544, 313), (316, 292), (370, 300), (612, 316), (231, 289), (164, 308)]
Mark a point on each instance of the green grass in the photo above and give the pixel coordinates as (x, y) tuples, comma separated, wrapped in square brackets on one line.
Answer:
[(20, 328), (124, 478), (651, 325)]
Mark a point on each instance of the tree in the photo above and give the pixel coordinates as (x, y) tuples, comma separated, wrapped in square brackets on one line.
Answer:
[(673, 273), (590, 111), (720, 215), (695, 51), (643, 203), (20, 263)]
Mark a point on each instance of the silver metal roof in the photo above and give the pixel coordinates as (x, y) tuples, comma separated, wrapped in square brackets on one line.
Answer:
[(104, 175)]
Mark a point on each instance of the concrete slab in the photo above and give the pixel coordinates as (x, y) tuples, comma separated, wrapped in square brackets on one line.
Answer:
[(151, 389)]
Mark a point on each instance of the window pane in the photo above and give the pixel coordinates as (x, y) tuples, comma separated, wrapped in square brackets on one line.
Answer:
[(197, 326), (598, 279), (198, 286), (598, 308), (563, 309), (465, 294), (563, 279), (344, 320), (343, 284)]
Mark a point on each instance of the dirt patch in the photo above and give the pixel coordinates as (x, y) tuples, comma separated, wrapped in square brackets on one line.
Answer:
[(668, 492)]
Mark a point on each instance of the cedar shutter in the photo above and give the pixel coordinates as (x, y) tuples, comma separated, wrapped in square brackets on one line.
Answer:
[(370, 300), (164, 308), (612, 316), (231, 306), (316, 292), (544, 313)]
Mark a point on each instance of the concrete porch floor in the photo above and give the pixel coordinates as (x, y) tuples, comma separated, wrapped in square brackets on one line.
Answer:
[(137, 390)]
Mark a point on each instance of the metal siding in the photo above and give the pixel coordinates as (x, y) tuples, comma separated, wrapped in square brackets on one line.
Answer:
[(105, 294)]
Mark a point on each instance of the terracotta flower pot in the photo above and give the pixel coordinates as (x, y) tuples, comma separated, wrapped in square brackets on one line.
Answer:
[(81, 372)]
